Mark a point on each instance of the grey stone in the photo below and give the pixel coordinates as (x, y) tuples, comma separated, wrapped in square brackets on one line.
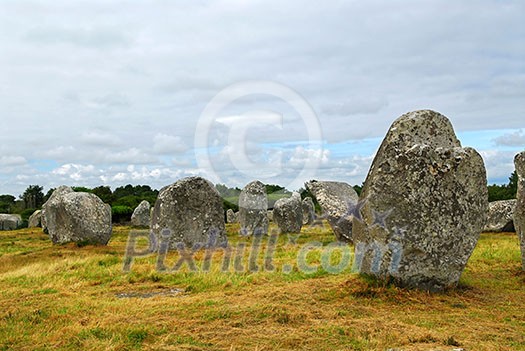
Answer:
[(500, 216), (269, 214), (253, 207), (308, 211), (189, 212), (77, 217), (58, 192), (288, 213), (230, 216), (35, 220), (519, 210), (423, 205), (336, 199), (9, 221), (141, 216)]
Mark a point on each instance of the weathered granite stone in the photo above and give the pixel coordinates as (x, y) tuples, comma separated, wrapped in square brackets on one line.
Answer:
[(77, 217), (35, 220), (189, 212), (141, 215), (500, 216), (336, 199), (423, 205), (270, 215), (519, 210), (9, 221), (57, 193), (230, 216), (253, 207), (288, 213), (308, 211)]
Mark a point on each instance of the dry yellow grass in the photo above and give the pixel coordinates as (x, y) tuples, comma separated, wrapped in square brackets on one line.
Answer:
[(66, 297)]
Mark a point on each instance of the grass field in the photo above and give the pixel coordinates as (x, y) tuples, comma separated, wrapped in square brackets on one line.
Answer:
[(79, 298)]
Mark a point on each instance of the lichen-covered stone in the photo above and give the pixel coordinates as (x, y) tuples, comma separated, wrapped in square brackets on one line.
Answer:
[(189, 212), (308, 211), (253, 207), (77, 217), (35, 220), (230, 216), (9, 221), (269, 214), (58, 192), (423, 205), (288, 213), (141, 215), (519, 210), (336, 199), (500, 216)]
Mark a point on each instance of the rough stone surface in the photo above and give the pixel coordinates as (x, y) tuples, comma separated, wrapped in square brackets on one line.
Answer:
[(57, 193), (35, 220), (519, 210), (500, 216), (253, 207), (335, 199), (9, 221), (270, 215), (288, 213), (423, 205), (77, 217), (308, 211), (141, 216), (230, 216), (189, 211)]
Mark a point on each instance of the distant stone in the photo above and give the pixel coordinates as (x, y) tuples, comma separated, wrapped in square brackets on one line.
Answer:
[(141, 215), (10, 221), (77, 217), (519, 210), (230, 216), (269, 214), (336, 200), (308, 211), (35, 220), (500, 216), (288, 213), (423, 205), (253, 206), (189, 212)]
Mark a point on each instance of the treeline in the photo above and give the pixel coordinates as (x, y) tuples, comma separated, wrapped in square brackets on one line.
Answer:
[(504, 192)]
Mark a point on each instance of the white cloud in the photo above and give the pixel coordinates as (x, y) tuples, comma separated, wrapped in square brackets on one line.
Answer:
[(6, 161), (168, 144), (516, 138)]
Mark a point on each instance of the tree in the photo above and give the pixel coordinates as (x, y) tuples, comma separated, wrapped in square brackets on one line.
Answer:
[(104, 193), (33, 196), (6, 203)]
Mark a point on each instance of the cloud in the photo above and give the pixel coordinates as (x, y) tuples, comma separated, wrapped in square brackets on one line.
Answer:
[(6, 161), (168, 144), (355, 106), (100, 139), (516, 138), (93, 38)]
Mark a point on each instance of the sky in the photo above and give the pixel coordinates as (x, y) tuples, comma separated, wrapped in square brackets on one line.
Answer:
[(126, 92)]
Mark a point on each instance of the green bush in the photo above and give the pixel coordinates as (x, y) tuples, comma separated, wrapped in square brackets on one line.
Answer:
[(121, 214)]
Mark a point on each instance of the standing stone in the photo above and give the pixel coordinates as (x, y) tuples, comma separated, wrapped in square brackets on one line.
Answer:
[(230, 216), (10, 221), (77, 217), (35, 220), (519, 210), (288, 213), (423, 205), (141, 215), (336, 200), (500, 216), (189, 212), (269, 214), (253, 206), (57, 193), (308, 211)]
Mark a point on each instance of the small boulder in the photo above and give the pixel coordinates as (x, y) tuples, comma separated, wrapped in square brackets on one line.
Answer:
[(10, 221), (308, 211), (336, 200), (253, 207), (230, 216), (35, 220), (189, 212), (77, 217), (519, 209), (269, 214), (500, 216), (288, 213), (141, 215)]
